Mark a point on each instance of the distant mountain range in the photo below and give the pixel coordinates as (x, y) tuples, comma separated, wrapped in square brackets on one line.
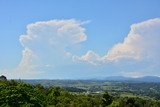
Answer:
[(139, 79), (154, 79)]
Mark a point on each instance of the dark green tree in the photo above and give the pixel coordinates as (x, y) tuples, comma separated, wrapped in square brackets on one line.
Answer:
[(106, 99)]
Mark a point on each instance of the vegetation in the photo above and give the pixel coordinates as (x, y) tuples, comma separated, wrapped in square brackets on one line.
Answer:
[(19, 94), (2, 77)]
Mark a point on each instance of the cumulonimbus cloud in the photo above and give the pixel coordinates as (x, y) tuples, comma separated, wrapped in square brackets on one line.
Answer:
[(142, 42), (48, 40), (44, 45)]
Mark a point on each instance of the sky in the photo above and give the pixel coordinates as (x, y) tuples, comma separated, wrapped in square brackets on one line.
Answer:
[(85, 39)]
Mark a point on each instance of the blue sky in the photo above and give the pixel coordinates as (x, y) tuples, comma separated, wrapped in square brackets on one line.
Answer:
[(100, 49)]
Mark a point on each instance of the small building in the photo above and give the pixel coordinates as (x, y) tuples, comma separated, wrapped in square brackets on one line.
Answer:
[(2, 77)]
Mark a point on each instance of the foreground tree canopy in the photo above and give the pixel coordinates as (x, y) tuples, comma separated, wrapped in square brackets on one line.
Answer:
[(19, 94)]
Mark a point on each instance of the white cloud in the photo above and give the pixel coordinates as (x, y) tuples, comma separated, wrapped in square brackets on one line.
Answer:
[(28, 60), (57, 33), (49, 39), (90, 57), (141, 43), (44, 45)]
